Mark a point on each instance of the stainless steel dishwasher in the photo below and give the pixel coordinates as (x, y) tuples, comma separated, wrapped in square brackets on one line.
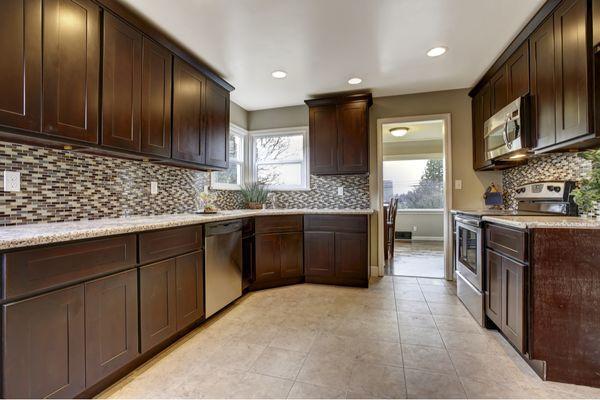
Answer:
[(223, 268)]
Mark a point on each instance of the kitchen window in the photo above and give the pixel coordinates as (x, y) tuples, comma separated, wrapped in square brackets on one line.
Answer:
[(233, 177), (280, 158)]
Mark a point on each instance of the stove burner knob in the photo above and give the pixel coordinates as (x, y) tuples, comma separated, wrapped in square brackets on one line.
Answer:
[(557, 189), (550, 188)]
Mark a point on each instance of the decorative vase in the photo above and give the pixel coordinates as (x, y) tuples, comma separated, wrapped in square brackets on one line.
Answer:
[(255, 206)]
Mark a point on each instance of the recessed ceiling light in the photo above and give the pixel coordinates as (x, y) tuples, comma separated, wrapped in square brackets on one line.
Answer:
[(399, 132), (436, 51), (279, 74), (354, 81)]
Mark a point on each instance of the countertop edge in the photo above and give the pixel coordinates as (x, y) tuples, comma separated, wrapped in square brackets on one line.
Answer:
[(554, 222)]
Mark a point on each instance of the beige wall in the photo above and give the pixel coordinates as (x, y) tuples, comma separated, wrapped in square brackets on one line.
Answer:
[(456, 102), (238, 116), (429, 224)]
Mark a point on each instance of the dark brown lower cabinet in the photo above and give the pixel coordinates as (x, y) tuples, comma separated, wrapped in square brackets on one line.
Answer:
[(505, 297), (351, 256), (268, 264), (278, 257), (158, 303), (189, 277), (43, 345), (319, 254), (290, 252), (111, 324)]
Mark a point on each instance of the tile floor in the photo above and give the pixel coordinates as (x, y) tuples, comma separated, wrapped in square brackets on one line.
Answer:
[(417, 258), (402, 337)]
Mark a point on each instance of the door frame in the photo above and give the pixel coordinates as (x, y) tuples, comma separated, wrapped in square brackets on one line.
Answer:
[(377, 197)]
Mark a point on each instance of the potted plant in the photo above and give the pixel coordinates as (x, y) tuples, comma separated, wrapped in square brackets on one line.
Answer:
[(587, 196), (255, 195)]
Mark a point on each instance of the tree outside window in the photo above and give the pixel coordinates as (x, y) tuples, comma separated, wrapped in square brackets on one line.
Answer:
[(419, 184)]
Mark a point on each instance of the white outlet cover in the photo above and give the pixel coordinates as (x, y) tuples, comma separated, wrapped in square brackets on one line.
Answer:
[(153, 187), (340, 191), (458, 184), (12, 181)]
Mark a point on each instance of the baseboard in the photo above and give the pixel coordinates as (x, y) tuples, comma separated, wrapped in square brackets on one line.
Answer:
[(429, 238), (374, 270)]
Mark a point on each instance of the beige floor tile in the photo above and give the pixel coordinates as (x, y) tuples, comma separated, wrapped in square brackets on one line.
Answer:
[(421, 336), (457, 324), (302, 390), (452, 310), (487, 367), (237, 356), (426, 358), (379, 352), (376, 381), (428, 385), (327, 370), (470, 342), (375, 330), (412, 306), (257, 333), (408, 319), (430, 281), (256, 386), (279, 363), (328, 343), (434, 289), (405, 280), (294, 339), (485, 389), (441, 298), (408, 294)]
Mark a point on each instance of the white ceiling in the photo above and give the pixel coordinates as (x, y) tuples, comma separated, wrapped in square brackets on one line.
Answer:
[(417, 131), (322, 43)]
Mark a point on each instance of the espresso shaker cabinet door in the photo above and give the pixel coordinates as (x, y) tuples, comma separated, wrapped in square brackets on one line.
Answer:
[(217, 126), (268, 259), (156, 99), (189, 276), (319, 254), (21, 63), (493, 292), (517, 69), (353, 138), (158, 303), (188, 113), (543, 85), (121, 85), (499, 90), (291, 255), (513, 307), (323, 139), (43, 341), (351, 256), (71, 65), (481, 109), (111, 324)]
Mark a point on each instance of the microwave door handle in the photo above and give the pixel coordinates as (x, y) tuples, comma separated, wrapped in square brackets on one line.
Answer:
[(505, 133)]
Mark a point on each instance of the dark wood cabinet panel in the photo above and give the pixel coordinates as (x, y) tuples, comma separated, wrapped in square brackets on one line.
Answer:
[(71, 64), (336, 223), (217, 126), (268, 261), (493, 292), (158, 303), (353, 138), (43, 346), (543, 85), (121, 85), (513, 308), (517, 70), (159, 245), (111, 324), (507, 241), (157, 68), (481, 110), (572, 44), (189, 86), (351, 256), (499, 90), (189, 276), (319, 254), (323, 139), (279, 223), (291, 255), (21, 63)]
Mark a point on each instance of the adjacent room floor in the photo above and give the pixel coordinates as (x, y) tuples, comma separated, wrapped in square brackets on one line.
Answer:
[(402, 337), (417, 258)]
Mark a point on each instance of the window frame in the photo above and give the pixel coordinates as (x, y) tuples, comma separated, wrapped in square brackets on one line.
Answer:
[(253, 165), (243, 133)]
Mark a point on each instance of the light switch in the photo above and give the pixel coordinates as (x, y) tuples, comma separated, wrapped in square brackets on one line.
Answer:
[(458, 184), (340, 191), (12, 181), (153, 187)]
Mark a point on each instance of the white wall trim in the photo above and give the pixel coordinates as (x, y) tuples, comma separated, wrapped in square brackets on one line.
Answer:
[(377, 198), (374, 270)]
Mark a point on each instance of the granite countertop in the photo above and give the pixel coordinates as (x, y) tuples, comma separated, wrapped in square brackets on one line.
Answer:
[(540, 221), (37, 234)]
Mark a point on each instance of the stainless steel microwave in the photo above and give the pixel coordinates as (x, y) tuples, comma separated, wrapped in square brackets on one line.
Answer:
[(506, 132)]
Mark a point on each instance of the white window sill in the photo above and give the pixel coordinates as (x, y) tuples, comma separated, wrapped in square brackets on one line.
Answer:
[(225, 187)]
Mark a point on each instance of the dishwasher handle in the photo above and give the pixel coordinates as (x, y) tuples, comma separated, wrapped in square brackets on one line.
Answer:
[(223, 228)]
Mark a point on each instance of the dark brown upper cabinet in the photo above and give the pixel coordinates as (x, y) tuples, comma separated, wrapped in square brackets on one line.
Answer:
[(517, 71), (189, 87), (21, 63), (71, 64), (481, 107), (217, 126), (339, 134), (499, 90), (157, 65), (121, 85)]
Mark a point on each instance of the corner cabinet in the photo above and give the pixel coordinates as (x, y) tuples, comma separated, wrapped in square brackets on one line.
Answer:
[(217, 126), (339, 134)]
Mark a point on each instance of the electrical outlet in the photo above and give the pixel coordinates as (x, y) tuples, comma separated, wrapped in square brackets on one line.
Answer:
[(340, 191), (414, 228), (153, 187), (12, 181), (458, 184), (206, 189)]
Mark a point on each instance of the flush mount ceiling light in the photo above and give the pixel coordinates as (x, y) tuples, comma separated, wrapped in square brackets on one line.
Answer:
[(399, 132), (437, 51), (354, 81), (279, 74)]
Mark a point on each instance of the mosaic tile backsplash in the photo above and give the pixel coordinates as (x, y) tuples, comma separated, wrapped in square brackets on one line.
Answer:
[(558, 166), (59, 185)]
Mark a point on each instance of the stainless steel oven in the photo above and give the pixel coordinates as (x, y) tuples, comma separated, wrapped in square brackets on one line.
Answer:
[(506, 131), (469, 265)]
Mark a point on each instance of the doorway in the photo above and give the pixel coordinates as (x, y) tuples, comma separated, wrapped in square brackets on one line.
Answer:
[(414, 172)]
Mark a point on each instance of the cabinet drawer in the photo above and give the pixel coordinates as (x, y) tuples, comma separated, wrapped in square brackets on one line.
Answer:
[(336, 223), (44, 268), (507, 241), (159, 245), (279, 223)]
